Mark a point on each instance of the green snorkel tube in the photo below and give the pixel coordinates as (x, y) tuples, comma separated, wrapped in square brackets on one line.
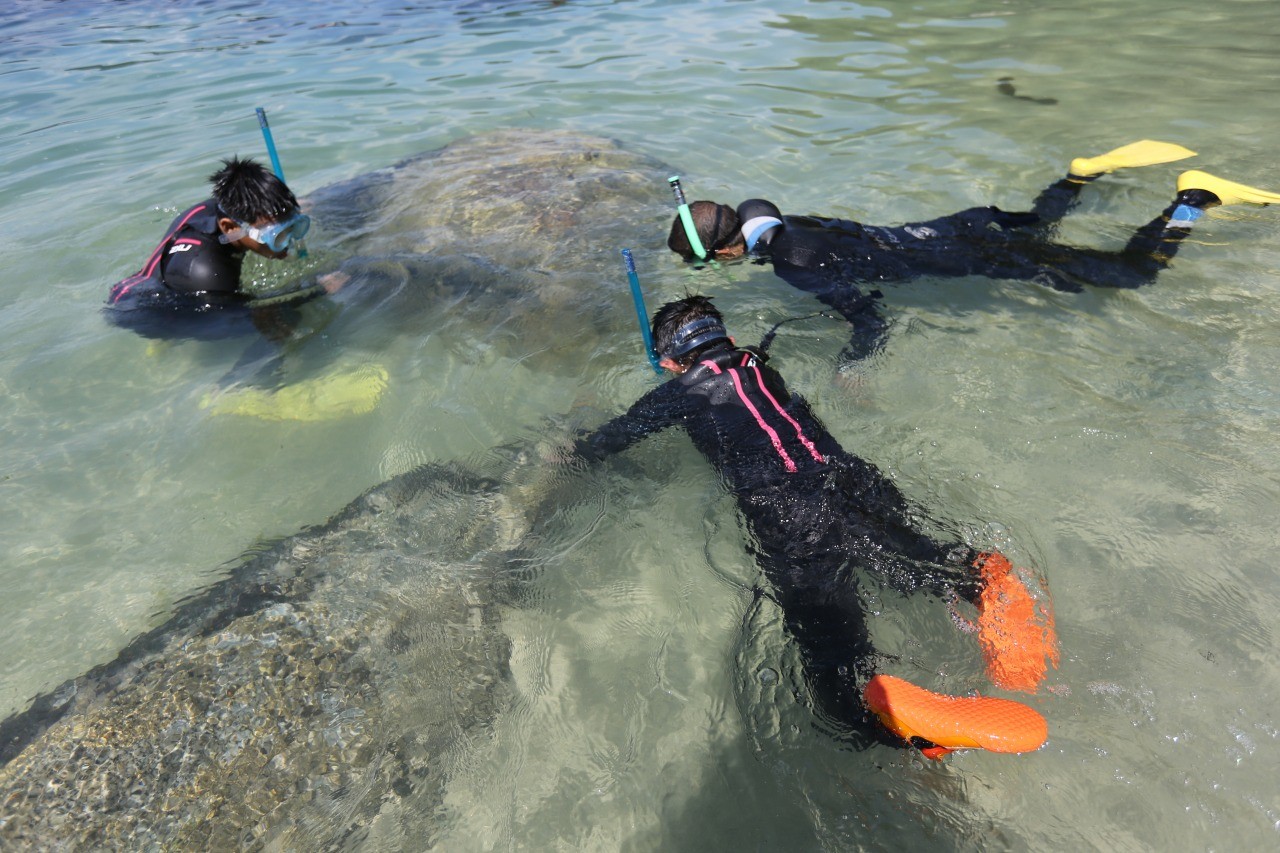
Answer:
[(686, 218), (641, 314), (275, 161)]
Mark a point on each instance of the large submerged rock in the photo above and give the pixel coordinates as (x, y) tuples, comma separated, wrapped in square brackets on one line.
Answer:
[(327, 678), (506, 243), (525, 200), (323, 691)]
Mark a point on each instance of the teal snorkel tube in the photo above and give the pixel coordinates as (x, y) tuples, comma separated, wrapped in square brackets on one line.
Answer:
[(271, 143), (275, 161), (641, 314), (686, 218)]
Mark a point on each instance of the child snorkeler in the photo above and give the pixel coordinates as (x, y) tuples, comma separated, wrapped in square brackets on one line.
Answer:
[(834, 259), (818, 516), (192, 279), (190, 288)]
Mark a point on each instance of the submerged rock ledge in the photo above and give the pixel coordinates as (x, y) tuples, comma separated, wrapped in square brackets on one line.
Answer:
[(327, 678)]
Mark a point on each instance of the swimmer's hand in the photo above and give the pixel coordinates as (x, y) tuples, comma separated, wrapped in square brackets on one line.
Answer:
[(334, 281)]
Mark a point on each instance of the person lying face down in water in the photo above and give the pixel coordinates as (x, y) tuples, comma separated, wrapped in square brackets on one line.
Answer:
[(831, 257), (819, 516)]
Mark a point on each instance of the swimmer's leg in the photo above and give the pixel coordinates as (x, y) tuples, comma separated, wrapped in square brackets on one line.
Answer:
[(827, 623), (1154, 245), (876, 533), (910, 562), (828, 626), (1057, 200), (1015, 625), (840, 668), (1139, 263), (867, 520)]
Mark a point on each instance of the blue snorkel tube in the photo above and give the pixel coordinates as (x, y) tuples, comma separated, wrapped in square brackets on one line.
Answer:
[(271, 144), (641, 314), (686, 218), (275, 161)]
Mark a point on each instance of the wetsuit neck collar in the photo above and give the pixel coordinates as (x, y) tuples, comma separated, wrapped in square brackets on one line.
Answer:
[(759, 229), (715, 361)]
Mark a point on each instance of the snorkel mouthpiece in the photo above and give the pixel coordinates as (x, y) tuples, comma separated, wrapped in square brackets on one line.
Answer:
[(690, 336), (686, 218)]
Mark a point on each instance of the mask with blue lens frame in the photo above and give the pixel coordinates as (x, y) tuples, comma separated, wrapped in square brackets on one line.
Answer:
[(278, 235)]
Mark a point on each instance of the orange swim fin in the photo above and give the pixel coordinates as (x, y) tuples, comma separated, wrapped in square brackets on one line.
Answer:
[(1015, 629), (949, 723)]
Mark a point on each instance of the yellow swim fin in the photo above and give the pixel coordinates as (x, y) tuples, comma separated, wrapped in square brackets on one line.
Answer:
[(1144, 152), (1227, 192), (337, 395)]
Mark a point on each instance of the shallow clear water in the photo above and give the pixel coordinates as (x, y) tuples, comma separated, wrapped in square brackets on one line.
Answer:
[(1119, 442)]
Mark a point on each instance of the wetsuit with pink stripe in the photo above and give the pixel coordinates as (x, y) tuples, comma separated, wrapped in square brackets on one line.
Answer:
[(189, 285), (822, 521)]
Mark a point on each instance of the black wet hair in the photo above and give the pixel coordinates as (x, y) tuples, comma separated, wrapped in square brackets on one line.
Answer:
[(673, 316), (717, 226), (248, 192)]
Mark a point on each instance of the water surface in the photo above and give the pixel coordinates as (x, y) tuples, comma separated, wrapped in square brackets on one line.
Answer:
[(1119, 442)]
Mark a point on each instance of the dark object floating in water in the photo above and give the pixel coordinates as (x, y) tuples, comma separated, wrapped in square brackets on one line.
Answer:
[(1005, 87)]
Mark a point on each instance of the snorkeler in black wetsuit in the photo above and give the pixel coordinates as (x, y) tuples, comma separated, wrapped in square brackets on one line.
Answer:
[(190, 288), (818, 515), (190, 285), (831, 257)]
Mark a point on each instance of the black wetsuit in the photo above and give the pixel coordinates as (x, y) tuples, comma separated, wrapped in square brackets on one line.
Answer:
[(190, 287), (831, 257), (817, 514)]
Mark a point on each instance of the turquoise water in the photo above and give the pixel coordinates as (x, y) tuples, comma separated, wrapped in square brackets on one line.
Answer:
[(1122, 443)]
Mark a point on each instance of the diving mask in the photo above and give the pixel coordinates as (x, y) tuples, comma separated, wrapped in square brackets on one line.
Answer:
[(278, 235)]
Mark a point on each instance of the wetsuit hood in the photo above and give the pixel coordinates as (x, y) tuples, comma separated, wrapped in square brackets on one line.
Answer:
[(761, 221)]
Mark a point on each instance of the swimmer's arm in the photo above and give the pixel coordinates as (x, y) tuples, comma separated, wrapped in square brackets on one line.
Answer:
[(868, 327), (660, 408), (304, 290)]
